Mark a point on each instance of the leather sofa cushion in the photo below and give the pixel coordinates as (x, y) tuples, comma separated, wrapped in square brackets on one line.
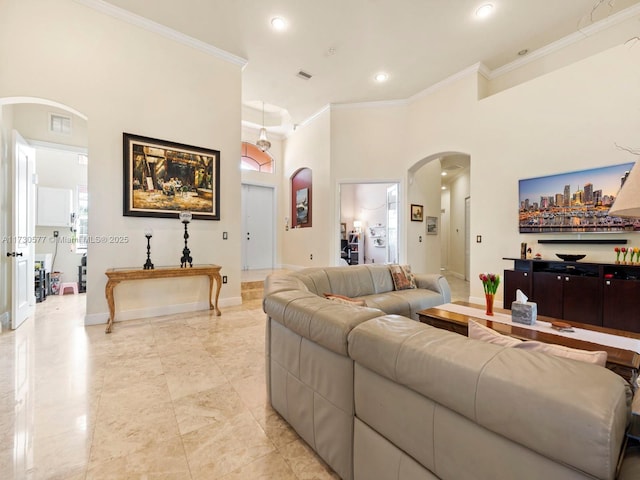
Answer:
[(353, 281), (404, 302), (571, 412), (317, 319)]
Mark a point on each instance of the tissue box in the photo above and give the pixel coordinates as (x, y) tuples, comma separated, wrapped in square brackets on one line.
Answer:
[(524, 312)]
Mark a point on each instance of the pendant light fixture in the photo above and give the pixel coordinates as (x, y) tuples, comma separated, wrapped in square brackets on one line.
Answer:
[(262, 143)]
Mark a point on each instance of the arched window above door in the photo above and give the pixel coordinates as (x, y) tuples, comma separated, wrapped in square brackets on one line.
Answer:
[(255, 159)]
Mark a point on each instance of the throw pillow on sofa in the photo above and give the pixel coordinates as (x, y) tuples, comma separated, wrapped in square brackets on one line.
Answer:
[(346, 300), (486, 334), (402, 277)]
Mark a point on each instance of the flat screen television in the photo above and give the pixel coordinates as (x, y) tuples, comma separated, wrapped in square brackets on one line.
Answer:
[(573, 202)]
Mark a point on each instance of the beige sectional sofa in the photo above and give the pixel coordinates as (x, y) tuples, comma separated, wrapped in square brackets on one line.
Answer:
[(383, 397), (434, 404)]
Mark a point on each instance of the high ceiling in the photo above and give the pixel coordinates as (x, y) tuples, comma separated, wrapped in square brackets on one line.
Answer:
[(342, 44)]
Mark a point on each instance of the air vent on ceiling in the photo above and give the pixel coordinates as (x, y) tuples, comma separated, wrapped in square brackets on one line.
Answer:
[(304, 75)]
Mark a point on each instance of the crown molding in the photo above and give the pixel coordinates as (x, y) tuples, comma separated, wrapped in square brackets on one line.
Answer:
[(312, 117), (473, 69), (171, 34), (567, 41)]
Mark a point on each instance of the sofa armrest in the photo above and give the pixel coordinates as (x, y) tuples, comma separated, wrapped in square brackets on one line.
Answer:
[(436, 282), (280, 283)]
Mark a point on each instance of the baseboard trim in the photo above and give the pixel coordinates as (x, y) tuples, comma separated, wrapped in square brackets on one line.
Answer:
[(150, 312), (229, 302), (456, 274), (96, 318)]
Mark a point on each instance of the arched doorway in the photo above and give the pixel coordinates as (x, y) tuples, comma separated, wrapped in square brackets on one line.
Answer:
[(56, 135), (441, 182)]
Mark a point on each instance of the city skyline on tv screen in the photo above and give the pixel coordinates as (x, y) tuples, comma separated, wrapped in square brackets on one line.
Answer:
[(576, 201)]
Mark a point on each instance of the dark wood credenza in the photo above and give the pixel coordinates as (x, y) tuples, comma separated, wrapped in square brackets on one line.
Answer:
[(601, 294)]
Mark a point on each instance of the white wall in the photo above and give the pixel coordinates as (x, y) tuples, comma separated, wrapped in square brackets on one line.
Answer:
[(445, 225), (459, 191), (368, 145), (565, 120), (126, 79), (32, 121), (309, 148), (424, 189)]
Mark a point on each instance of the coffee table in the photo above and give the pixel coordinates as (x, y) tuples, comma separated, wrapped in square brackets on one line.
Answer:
[(623, 362)]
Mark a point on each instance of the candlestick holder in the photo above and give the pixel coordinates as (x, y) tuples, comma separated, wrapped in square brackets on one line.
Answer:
[(185, 218), (148, 265)]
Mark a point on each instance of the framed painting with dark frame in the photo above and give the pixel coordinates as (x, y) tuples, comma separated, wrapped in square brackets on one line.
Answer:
[(416, 213), (301, 199), (162, 179)]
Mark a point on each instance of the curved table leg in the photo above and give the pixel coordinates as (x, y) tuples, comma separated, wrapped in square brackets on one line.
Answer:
[(214, 306), (108, 292)]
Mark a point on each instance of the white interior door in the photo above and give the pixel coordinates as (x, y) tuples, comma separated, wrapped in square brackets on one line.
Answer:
[(23, 232), (257, 227)]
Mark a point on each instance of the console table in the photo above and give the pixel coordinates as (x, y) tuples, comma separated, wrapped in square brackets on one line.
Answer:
[(623, 362), (117, 275)]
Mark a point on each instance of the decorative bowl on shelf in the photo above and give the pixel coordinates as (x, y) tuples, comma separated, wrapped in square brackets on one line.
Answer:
[(570, 257)]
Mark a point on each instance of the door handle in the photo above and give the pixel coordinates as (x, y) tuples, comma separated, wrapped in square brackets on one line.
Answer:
[(14, 254)]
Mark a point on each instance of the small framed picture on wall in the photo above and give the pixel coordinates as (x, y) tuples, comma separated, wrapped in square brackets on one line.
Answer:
[(416, 213), (432, 225)]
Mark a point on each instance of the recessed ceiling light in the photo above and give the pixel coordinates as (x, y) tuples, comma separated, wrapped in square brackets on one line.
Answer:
[(484, 11), (278, 23), (381, 77), (444, 174), (443, 187)]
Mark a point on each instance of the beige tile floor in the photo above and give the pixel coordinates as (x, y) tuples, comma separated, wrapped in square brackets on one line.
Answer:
[(175, 397), (459, 287)]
